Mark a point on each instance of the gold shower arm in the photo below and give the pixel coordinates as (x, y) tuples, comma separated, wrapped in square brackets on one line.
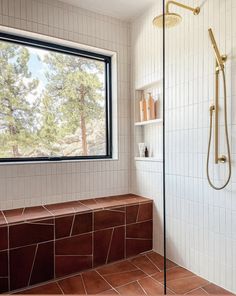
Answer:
[(195, 11)]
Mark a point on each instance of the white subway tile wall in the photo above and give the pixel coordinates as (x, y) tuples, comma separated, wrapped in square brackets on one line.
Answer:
[(147, 67), (35, 184), (201, 222)]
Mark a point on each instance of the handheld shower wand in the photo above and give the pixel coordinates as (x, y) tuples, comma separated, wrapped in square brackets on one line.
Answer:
[(220, 60)]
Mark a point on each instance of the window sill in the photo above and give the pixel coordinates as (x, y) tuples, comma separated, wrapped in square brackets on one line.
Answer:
[(58, 161)]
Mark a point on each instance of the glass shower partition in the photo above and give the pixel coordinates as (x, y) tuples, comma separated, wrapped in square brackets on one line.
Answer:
[(200, 220)]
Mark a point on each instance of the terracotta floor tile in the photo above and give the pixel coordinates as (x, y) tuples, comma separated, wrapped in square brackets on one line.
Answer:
[(49, 289), (72, 285), (117, 268), (3, 285), (66, 265), (131, 214), (151, 287), (137, 246), (66, 208), (140, 230), (75, 245), (144, 263), (27, 214), (107, 219), (173, 274), (158, 260), (145, 212), (2, 219), (198, 291), (63, 226), (91, 204), (131, 289), (94, 283), (129, 277), (213, 289), (109, 292), (106, 202), (120, 279), (185, 285)]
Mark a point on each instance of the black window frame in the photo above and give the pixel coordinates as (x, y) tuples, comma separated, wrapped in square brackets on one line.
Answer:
[(108, 92)]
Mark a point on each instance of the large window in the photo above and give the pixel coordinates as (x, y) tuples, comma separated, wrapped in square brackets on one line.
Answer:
[(55, 102)]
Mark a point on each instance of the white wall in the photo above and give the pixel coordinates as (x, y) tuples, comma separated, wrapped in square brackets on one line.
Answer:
[(201, 223), (147, 61), (35, 184)]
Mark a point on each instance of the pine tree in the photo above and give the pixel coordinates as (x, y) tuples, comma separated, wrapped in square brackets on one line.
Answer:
[(48, 133), (75, 83), (16, 113)]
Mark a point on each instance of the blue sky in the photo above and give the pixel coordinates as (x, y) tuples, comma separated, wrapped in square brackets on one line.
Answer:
[(36, 65)]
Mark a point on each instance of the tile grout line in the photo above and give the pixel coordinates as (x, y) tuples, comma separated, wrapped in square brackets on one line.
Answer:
[(82, 279), (5, 218), (195, 290), (128, 283), (59, 287), (113, 288), (46, 209), (137, 214), (141, 287), (72, 225), (161, 284), (33, 244), (32, 267), (109, 247)]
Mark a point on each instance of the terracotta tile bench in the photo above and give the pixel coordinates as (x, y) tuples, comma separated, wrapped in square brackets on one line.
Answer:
[(38, 244)]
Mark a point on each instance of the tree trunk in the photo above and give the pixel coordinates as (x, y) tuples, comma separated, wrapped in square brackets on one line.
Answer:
[(83, 126), (15, 149), (84, 135)]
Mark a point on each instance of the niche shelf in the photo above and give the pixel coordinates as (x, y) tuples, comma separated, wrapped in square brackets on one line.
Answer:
[(149, 132), (151, 159), (148, 122)]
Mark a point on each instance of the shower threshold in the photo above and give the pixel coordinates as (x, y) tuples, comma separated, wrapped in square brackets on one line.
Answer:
[(140, 275)]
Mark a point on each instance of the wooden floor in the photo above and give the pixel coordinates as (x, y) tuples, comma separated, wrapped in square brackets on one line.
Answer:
[(142, 275)]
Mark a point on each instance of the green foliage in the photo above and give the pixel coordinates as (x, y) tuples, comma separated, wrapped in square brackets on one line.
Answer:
[(76, 85), (16, 113), (68, 118)]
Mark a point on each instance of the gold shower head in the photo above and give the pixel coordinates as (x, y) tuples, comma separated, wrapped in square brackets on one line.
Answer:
[(172, 19)]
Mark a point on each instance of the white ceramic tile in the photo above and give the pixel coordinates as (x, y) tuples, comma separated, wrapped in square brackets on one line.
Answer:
[(200, 221), (26, 185)]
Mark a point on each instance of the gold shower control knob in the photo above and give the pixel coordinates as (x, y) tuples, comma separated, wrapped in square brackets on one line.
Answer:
[(223, 159), (212, 108)]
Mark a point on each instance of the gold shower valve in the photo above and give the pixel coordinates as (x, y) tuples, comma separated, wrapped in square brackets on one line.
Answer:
[(223, 159), (212, 108), (224, 58)]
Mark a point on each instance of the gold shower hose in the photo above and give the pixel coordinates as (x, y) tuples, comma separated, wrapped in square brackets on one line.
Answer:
[(227, 138)]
